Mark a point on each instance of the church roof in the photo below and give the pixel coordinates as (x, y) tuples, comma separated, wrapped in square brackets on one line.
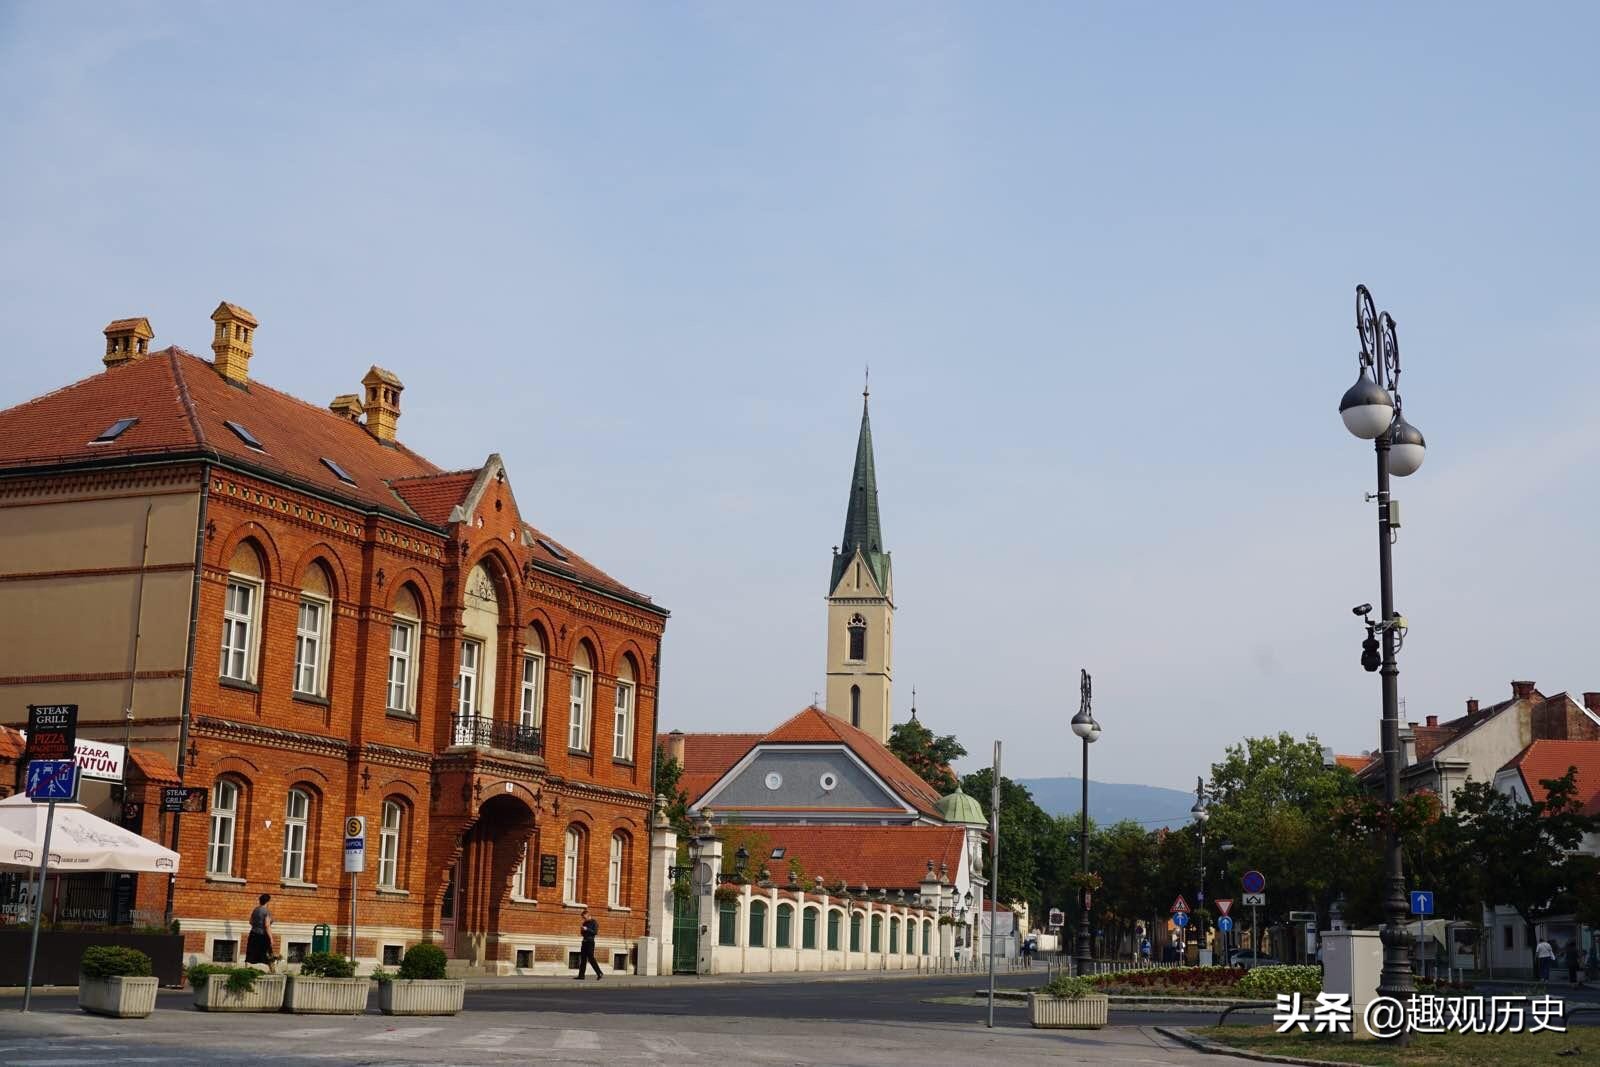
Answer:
[(881, 857), (863, 531), (959, 807)]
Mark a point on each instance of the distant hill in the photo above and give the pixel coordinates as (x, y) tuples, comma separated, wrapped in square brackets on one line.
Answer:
[(1111, 802)]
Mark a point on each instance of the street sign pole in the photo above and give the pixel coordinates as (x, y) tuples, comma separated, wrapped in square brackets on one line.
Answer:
[(994, 873), (38, 904), (355, 861), (1255, 936)]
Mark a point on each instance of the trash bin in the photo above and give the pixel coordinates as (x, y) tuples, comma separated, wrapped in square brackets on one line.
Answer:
[(322, 938)]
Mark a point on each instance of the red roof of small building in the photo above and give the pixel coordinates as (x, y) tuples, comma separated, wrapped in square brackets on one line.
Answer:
[(153, 765), (1542, 761), (1353, 763), (880, 857), (11, 744)]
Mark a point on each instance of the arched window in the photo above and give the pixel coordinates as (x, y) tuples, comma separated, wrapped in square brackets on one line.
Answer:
[(574, 876), (480, 630), (808, 928), (877, 933), (894, 935), (582, 684), (391, 842), (311, 632), (783, 937), (727, 922), (758, 924), (835, 920), (927, 937), (296, 821), (241, 615), (617, 871), (532, 710), (224, 823), (404, 650), (855, 931), (858, 637), (622, 727), (855, 706)]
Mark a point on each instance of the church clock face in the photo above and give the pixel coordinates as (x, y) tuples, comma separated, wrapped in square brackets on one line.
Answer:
[(774, 780)]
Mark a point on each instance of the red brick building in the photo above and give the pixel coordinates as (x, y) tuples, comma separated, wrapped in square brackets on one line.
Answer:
[(282, 603)]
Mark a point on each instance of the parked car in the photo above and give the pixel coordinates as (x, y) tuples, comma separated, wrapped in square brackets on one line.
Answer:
[(1247, 958)]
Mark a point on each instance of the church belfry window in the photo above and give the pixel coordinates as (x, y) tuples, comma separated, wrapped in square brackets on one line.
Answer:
[(855, 706), (858, 637)]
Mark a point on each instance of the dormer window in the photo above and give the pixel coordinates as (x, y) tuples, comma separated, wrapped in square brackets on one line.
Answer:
[(552, 549), (338, 471), (114, 431), (245, 435)]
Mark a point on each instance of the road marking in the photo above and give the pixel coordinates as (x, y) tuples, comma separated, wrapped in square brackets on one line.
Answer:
[(311, 1031), (406, 1033), (571, 1040), (492, 1038)]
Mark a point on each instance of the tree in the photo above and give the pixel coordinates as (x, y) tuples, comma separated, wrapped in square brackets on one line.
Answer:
[(927, 754), (669, 772), (1030, 846)]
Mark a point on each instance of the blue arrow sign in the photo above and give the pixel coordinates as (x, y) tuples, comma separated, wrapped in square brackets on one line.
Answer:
[(1421, 902), (52, 779), (1181, 918), (1225, 924)]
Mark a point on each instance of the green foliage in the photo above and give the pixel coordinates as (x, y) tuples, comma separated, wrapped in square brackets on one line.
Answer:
[(327, 965), (241, 980), (669, 772), (423, 961), (1264, 983), (1172, 981), (114, 961), (927, 754), (382, 977), (1035, 857), (1065, 985)]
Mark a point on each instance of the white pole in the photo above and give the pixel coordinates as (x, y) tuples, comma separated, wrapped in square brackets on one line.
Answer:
[(38, 906), (352, 917), (994, 873)]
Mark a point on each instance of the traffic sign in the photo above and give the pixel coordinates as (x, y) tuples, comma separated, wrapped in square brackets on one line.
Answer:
[(355, 844), (1180, 905), (1302, 916), (1181, 918), (1253, 882), (1252, 900), (1222, 905), (1225, 924), (1057, 917), (52, 780), (1421, 902)]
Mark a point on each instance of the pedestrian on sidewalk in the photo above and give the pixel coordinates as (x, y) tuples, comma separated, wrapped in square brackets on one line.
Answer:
[(1573, 960), (1545, 958), (590, 930), (258, 947)]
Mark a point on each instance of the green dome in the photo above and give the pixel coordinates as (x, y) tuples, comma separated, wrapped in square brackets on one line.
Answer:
[(961, 809)]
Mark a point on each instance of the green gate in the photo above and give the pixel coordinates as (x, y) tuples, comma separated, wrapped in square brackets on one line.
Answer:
[(685, 934)]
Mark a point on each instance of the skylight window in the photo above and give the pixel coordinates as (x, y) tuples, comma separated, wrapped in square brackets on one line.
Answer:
[(114, 431), (552, 549), (338, 471), (777, 853), (245, 435)]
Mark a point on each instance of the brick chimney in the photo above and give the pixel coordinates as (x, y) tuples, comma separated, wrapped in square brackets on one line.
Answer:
[(1592, 702), (675, 746), (1521, 690), (1433, 720), (127, 340), (1472, 706), (231, 347), (347, 405), (382, 403)]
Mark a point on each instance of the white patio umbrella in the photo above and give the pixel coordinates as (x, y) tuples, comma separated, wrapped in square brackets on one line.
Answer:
[(17, 851), (81, 841)]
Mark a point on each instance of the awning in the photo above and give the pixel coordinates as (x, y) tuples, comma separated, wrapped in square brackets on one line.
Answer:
[(80, 841), (17, 851)]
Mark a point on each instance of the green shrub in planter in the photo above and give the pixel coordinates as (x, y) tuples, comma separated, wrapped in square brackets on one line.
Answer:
[(114, 961), (423, 961), (327, 965), (1264, 983), (1065, 985), (241, 980)]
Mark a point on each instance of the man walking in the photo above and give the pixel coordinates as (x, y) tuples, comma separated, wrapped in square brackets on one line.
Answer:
[(590, 930)]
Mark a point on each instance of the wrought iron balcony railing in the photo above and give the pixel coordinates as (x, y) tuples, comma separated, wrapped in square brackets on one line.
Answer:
[(483, 732)]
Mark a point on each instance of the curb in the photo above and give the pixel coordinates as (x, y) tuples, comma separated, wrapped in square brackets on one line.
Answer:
[(1151, 1003), (1216, 1048), (489, 984)]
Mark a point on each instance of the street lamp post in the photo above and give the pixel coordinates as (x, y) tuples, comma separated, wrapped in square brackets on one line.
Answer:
[(1199, 812), (1371, 410), (1084, 725)]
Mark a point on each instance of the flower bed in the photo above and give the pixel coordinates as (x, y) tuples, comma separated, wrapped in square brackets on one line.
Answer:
[(1220, 982)]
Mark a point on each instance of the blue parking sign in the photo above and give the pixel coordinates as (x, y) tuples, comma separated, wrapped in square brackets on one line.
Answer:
[(52, 780), (1421, 902)]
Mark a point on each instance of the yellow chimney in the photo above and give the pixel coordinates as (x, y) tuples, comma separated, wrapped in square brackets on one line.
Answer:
[(348, 405), (127, 340), (231, 346), (382, 403)]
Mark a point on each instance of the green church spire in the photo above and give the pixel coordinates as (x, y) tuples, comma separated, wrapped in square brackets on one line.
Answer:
[(863, 531)]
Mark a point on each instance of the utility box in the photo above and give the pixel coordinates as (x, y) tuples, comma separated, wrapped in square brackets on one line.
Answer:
[(1352, 962), (322, 938)]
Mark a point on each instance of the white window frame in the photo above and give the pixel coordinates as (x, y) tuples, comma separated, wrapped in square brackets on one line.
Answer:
[(295, 831), (311, 646), (519, 878), (614, 872), (572, 859), (240, 631), (532, 712), (389, 838), (581, 686), (467, 677), (224, 825), (622, 733), (406, 662)]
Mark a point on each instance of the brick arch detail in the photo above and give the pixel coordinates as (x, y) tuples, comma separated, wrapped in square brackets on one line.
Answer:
[(641, 662), (305, 772), (266, 544), (323, 553), (503, 573), (226, 764), (402, 787), (414, 577), (577, 636)]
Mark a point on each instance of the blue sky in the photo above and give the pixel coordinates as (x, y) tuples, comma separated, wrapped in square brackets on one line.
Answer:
[(1100, 258)]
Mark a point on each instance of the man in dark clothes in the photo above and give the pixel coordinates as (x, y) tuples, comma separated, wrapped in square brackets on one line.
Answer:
[(591, 930), (258, 948)]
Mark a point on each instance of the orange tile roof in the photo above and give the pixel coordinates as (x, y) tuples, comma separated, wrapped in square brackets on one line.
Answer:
[(153, 765), (433, 496), (881, 857), (1544, 760), (1353, 763), (11, 744)]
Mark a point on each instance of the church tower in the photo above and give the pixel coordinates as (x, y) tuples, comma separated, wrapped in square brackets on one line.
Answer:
[(861, 605)]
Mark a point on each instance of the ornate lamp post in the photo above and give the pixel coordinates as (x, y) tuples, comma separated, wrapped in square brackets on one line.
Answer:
[(1084, 725), (1371, 410), (1199, 812)]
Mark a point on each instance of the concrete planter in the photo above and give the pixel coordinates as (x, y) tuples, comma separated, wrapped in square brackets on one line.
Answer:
[(266, 996), (326, 996), (1060, 1013), (419, 996), (120, 998)]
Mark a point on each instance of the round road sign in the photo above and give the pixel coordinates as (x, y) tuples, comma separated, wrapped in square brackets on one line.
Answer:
[(1254, 882)]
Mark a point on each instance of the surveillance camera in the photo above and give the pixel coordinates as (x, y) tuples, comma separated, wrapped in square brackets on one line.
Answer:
[(1361, 609)]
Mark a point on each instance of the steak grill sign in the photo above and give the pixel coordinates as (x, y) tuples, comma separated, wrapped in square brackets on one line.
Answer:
[(52, 731)]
